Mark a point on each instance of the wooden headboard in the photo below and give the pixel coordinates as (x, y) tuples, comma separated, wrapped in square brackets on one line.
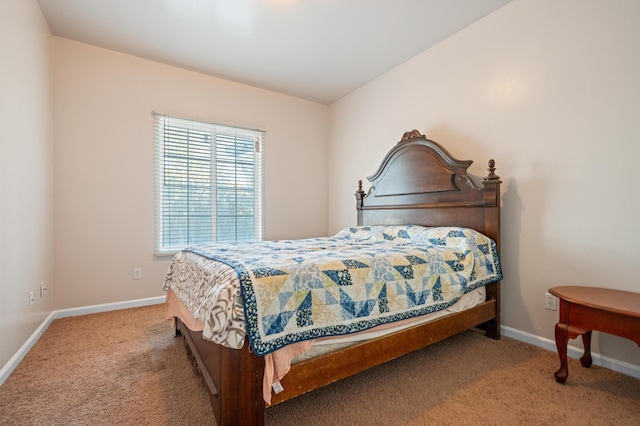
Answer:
[(420, 183)]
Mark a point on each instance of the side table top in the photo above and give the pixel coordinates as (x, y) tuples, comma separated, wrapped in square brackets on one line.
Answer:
[(618, 301)]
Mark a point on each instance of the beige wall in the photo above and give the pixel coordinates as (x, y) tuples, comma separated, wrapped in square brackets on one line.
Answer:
[(26, 116), (103, 175), (550, 89)]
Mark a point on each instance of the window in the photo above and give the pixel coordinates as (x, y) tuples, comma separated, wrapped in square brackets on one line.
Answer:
[(208, 183)]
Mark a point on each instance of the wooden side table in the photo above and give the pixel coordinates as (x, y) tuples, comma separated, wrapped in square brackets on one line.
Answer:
[(583, 309)]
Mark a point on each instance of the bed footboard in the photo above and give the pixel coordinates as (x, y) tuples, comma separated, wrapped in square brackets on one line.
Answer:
[(233, 378), (321, 371)]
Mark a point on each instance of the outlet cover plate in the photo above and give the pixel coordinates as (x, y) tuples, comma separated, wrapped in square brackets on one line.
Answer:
[(550, 302)]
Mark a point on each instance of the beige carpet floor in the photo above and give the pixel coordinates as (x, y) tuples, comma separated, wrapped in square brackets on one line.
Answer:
[(126, 368)]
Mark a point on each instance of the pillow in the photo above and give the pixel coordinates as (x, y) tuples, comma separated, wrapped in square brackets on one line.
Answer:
[(396, 233), (355, 233), (449, 236)]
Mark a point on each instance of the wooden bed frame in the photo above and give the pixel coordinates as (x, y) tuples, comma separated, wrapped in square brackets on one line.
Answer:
[(418, 182)]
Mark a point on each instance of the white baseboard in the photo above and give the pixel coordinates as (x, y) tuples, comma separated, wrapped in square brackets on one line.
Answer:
[(106, 307), (22, 352), (62, 313), (572, 352)]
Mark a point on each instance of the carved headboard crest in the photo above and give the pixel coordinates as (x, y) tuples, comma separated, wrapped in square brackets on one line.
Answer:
[(410, 135)]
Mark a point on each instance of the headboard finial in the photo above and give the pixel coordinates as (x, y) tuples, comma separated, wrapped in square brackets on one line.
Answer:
[(492, 177), (359, 195), (411, 135)]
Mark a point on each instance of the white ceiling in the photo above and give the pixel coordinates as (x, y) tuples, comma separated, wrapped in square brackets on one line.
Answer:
[(318, 50)]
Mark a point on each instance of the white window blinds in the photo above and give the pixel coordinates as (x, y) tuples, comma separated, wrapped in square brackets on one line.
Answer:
[(209, 183)]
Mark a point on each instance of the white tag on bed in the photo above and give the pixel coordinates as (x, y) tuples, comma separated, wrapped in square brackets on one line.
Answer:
[(277, 387)]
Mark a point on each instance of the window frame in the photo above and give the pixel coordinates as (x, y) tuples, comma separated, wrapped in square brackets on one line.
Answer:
[(215, 132)]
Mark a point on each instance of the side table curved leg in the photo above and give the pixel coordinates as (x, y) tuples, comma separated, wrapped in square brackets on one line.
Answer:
[(562, 338), (586, 360)]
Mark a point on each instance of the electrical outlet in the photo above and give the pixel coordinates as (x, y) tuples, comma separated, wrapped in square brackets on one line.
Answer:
[(31, 299), (550, 302), (137, 273)]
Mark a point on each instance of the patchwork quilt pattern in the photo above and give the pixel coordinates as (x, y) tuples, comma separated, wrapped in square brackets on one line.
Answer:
[(295, 290)]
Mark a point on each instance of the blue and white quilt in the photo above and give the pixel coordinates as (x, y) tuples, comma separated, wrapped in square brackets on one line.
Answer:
[(362, 277)]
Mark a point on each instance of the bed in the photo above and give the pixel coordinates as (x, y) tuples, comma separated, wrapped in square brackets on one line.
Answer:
[(418, 184)]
